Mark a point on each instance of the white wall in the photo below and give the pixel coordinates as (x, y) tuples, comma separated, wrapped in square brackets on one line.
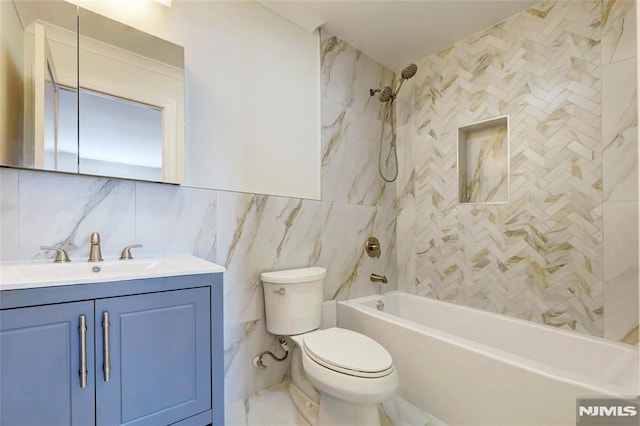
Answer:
[(252, 95)]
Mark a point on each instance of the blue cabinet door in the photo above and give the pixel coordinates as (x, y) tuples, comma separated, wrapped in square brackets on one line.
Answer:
[(160, 357), (40, 363)]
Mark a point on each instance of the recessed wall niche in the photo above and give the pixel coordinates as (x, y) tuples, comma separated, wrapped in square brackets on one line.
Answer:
[(483, 161)]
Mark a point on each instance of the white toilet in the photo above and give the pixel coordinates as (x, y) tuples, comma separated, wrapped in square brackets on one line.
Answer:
[(352, 372)]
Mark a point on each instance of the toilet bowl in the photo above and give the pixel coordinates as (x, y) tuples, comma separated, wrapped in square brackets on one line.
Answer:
[(350, 372)]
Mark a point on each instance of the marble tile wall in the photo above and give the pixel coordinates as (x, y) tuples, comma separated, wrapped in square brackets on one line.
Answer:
[(563, 250), (247, 233), (620, 171)]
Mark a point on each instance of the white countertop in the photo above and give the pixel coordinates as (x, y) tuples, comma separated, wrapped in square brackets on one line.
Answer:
[(34, 274)]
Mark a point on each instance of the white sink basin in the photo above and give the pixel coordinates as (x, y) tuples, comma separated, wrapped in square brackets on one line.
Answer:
[(22, 275)]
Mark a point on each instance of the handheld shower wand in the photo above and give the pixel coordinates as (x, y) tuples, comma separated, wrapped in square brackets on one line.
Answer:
[(387, 95), (407, 72)]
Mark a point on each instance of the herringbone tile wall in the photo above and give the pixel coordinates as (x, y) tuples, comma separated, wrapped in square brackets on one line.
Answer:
[(541, 255)]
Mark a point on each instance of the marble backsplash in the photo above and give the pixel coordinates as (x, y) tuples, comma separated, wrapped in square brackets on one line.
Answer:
[(563, 250), (247, 233)]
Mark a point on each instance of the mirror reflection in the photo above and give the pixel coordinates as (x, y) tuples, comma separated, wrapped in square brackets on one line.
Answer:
[(119, 137), (89, 95), (38, 59), (60, 130)]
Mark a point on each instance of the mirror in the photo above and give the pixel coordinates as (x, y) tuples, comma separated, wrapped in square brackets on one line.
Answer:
[(38, 59), (89, 95)]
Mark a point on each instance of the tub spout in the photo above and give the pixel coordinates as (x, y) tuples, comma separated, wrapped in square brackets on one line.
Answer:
[(375, 278)]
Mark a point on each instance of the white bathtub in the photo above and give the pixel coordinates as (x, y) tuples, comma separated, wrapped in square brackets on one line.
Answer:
[(471, 367)]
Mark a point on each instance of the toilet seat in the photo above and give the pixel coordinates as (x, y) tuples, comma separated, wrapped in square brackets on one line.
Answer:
[(348, 352)]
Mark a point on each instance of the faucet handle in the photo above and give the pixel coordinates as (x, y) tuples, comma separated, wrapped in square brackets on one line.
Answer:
[(61, 255), (126, 252)]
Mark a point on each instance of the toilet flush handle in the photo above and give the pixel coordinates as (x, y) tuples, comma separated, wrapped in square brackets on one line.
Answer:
[(281, 291)]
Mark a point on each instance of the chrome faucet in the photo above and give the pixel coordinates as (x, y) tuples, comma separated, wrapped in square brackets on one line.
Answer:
[(95, 254)]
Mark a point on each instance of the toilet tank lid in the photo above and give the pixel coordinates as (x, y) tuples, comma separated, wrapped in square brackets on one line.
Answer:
[(290, 276)]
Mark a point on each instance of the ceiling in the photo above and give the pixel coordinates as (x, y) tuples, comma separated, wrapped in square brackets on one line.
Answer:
[(396, 32)]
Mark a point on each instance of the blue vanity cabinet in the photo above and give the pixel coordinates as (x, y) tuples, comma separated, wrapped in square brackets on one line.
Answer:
[(40, 359), (161, 339), (158, 346)]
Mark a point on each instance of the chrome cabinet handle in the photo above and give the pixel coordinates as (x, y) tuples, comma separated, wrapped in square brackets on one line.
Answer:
[(82, 329), (105, 346)]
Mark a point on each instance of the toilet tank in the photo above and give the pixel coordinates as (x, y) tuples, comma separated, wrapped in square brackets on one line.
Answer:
[(293, 300)]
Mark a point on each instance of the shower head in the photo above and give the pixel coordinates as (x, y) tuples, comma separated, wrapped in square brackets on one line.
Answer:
[(406, 73), (386, 94), (409, 71)]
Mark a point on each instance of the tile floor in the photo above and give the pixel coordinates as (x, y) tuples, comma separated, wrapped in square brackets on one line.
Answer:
[(273, 407)]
